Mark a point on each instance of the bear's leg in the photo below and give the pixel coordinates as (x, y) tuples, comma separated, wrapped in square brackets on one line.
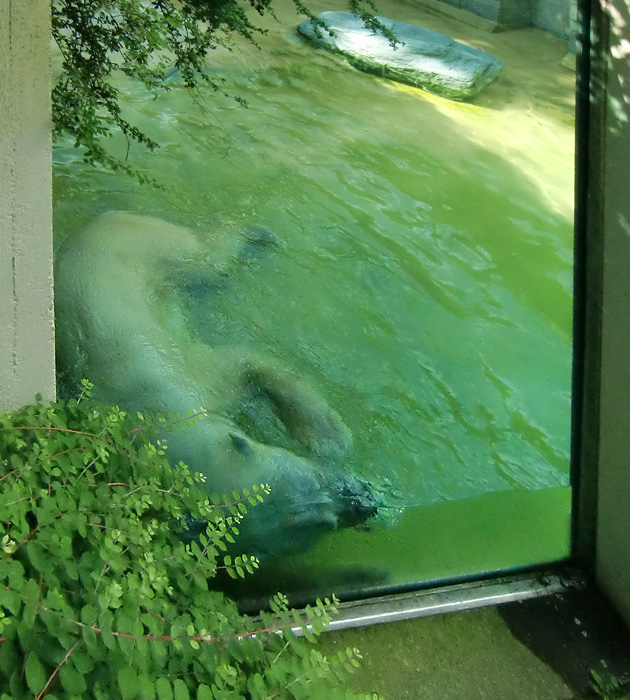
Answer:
[(304, 413)]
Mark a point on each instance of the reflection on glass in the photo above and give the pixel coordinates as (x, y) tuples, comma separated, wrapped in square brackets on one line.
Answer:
[(368, 288)]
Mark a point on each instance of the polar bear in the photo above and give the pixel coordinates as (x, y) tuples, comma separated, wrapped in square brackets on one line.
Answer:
[(121, 323)]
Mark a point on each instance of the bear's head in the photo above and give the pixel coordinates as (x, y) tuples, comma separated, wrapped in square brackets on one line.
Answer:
[(305, 501)]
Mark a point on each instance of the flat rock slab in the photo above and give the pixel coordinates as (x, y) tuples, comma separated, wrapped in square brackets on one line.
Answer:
[(427, 59)]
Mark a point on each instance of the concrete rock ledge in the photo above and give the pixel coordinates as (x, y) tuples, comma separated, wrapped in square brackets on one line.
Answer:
[(426, 59)]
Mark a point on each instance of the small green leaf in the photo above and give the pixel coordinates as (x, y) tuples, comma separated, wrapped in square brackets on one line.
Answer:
[(148, 687), (72, 681), (180, 690), (88, 615), (164, 689), (128, 682), (90, 636), (8, 657), (204, 692), (82, 661), (10, 600), (35, 674), (105, 621)]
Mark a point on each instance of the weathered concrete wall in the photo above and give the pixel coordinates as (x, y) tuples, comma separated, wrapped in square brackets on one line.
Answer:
[(613, 507), (550, 15), (515, 13), (504, 12), (553, 16), (26, 313)]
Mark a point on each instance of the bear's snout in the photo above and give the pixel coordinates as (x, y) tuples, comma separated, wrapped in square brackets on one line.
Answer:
[(356, 501)]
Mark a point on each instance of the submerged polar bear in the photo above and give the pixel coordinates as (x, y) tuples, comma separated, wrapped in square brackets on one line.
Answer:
[(121, 323)]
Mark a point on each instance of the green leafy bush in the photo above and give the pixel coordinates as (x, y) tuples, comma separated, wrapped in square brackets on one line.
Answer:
[(100, 597)]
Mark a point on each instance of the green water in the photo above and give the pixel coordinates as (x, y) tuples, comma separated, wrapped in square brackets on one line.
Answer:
[(422, 284)]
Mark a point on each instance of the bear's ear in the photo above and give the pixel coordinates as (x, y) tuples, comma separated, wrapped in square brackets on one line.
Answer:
[(241, 443)]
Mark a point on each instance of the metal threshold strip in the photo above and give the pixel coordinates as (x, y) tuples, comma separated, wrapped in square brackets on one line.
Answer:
[(452, 598)]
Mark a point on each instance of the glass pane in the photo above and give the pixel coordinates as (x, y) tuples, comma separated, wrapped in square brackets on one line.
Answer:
[(367, 286)]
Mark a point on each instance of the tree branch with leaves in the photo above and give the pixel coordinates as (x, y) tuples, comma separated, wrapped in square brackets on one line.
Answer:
[(145, 40), (103, 596)]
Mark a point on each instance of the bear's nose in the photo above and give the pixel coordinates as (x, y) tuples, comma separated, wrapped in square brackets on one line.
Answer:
[(357, 502)]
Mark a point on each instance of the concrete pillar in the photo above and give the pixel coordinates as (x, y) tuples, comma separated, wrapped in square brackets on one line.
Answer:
[(611, 127), (26, 302)]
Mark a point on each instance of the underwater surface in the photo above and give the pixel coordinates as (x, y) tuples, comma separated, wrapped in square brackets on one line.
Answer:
[(422, 283)]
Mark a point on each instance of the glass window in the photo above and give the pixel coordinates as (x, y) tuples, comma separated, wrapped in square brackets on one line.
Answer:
[(366, 284)]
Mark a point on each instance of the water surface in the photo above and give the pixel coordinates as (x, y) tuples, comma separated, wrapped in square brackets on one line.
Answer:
[(422, 283)]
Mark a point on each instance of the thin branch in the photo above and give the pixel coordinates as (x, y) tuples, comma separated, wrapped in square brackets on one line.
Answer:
[(50, 427), (53, 675), (64, 452), (6, 476), (273, 629)]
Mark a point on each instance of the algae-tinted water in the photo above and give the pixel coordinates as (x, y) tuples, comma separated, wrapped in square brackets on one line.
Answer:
[(422, 282)]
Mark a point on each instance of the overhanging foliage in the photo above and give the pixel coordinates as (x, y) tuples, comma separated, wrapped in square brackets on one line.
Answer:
[(146, 41)]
